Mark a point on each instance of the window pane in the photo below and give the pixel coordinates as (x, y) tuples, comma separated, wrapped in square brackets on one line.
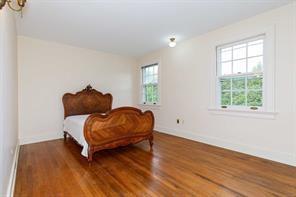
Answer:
[(225, 84), (150, 70), (144, 94), (149, 79), (226, 55), (155, 70), (238, 98), (225, 98), (226, 49), (256, 42), (255, 64), (239, 53), (239, 46), (238, 83), (255, 83), (226, 68), (154, 79), (144, 79), (255, 98), (255, 50), (239, 66), (155, 94), (152, 94), (149, 93), (145, 75)]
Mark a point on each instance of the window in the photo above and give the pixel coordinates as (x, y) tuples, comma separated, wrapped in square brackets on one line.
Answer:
[(240, 74), (150, 84)]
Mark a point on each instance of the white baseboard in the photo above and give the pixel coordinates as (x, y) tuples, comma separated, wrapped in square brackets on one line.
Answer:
[(40, 138), (285, 158), (11, 183)]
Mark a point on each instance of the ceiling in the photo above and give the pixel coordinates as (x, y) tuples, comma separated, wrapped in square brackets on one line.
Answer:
[(132, 27)]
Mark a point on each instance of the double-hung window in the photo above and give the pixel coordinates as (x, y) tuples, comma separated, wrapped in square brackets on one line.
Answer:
[(240, 74), (150, 84)]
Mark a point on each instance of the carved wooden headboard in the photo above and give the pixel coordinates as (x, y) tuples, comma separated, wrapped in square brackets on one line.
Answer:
[(87, 101)]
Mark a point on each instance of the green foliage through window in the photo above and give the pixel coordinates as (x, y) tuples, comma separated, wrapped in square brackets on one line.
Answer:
[(151, 93), (238, 83), (226, 98), (255, 83), (225, 84), (242, 91), (238, 98), (254, 98)]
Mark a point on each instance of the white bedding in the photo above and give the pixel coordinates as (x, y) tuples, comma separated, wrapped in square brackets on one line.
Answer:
[(74, 126)]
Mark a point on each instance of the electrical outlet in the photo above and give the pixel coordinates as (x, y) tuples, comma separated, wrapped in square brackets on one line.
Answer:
[(178, 121), (182, 121)]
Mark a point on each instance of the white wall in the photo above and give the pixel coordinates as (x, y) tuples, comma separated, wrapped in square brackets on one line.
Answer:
[(47, 70), (186, 85), (8, 99)]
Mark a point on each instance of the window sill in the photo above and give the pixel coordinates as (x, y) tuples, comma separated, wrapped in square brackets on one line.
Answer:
[(244, 113)]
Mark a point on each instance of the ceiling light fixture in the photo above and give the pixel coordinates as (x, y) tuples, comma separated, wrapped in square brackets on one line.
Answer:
[(172, 42), (20, 3)]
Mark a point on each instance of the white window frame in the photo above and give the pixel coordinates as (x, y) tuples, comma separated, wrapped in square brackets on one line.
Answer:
[(267, 111), (142, 102), (219, 75)]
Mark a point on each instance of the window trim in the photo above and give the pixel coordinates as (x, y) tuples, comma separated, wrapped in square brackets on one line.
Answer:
[(151, 63), (268, 74)]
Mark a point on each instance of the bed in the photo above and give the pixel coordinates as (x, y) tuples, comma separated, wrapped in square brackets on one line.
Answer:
[(91, 122)]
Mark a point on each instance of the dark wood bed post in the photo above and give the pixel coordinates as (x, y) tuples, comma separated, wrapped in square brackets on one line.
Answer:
[(151, 142), (90, 153), (65, 135)]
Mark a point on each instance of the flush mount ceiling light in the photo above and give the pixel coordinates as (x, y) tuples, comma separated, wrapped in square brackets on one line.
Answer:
[(172, 42), (20, 3)]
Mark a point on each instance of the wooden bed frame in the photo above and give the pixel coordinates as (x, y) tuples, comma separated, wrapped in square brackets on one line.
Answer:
[(106, 128)]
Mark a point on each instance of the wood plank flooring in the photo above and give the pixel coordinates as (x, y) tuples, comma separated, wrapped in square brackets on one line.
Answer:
[(176, 167)]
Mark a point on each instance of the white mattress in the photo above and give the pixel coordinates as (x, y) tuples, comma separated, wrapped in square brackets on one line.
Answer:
[(74, 126)]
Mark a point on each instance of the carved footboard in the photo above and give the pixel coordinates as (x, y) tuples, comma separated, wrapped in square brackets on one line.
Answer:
[(119, 127)]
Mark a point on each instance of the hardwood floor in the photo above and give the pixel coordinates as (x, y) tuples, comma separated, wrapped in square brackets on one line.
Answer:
[(176, 167)]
